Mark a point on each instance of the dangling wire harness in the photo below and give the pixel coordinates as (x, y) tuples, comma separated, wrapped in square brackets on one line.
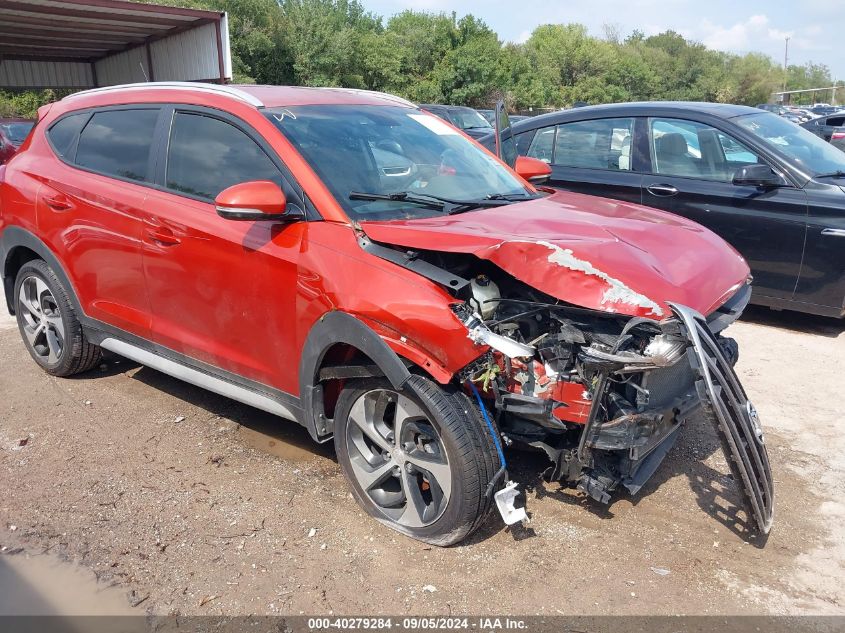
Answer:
[(493, 435)]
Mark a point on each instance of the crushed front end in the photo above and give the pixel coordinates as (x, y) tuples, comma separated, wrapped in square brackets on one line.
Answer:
[(579, 362), (605, 395)]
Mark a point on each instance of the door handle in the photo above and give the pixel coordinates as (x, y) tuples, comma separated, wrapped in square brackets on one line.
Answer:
[(58, 203), (662, 190), (834, 232), (164, 237)]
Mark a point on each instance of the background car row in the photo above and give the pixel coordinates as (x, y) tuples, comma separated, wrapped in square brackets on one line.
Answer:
[(823, 120), (13, 132)]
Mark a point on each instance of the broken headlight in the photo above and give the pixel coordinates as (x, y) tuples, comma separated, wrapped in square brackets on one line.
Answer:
[(662, 351), (481, 334)]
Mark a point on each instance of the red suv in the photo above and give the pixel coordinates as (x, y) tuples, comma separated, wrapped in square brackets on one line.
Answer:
[(347, 261)]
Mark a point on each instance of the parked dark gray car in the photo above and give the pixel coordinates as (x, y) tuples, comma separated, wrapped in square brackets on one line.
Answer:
[(462, 117), (830, 128)]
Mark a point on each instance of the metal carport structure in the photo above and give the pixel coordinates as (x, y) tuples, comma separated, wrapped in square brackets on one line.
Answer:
[(91, 43)]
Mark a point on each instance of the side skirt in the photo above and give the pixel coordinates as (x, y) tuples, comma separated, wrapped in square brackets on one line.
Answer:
[(798, 306), (193, 371), (198, 378)]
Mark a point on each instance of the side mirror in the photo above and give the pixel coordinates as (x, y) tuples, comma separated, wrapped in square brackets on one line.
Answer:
[(756, 176), (533, 170), (255, 200)]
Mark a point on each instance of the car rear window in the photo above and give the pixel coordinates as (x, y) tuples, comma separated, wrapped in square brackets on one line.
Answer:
[(16, 131), (118, 142)]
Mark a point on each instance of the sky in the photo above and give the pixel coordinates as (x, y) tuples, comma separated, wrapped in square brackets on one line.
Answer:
[(815, 27)]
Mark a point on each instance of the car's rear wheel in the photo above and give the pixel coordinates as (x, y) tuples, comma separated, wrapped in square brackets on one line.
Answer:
[(48, 323), (418, 459)]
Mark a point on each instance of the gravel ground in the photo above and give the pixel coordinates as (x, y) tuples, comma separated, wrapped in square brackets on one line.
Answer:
[(186, 502)]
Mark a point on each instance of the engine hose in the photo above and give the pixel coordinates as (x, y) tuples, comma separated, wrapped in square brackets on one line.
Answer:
[(491, 428)]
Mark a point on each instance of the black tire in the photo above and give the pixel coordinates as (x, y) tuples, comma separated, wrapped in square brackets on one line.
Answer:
[(472, 456), (77, 354)]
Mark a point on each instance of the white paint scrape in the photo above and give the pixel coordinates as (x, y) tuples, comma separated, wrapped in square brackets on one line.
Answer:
[(617, 292)]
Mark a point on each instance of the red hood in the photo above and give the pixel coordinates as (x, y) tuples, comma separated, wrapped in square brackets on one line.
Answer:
[(588, 251)]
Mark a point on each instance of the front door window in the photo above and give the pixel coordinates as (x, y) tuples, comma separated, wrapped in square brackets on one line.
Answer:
[(696, 150)]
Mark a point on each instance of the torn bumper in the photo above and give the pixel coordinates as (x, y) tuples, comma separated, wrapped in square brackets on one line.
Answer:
[(704, 383), (727, 406)]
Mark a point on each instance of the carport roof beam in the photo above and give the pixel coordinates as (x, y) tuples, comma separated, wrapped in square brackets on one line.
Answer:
[(46, 31)]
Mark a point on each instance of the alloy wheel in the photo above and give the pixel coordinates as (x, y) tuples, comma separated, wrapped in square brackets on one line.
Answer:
[(41, 320), (398, 458)]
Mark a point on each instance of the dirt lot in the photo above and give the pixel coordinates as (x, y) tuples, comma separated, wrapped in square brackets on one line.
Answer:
[(193, 504)]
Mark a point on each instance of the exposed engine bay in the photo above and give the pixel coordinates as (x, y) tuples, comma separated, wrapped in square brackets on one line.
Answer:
[(603, 394)]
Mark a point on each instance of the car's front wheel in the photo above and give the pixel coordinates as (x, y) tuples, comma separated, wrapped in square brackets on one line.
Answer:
[(419, 460), (48, 323)]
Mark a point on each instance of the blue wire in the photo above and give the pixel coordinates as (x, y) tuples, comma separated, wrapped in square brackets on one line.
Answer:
[(489, 423)]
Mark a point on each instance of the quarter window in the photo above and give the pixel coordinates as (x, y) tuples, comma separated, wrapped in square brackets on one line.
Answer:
[(596, 144), (64, 132), (117, 143), (207, 155), (695, 150)]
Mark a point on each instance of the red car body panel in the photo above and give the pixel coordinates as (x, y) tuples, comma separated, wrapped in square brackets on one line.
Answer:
[(93, 223), (250, 292), (593, 252)]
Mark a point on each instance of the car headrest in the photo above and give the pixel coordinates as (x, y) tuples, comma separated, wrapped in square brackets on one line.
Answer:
[(672, 144), (390, 146)]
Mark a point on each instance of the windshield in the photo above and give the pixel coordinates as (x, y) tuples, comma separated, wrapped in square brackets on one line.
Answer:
[(16, 132), (801, 146), (389, 150), (468, 119), (489, 115)]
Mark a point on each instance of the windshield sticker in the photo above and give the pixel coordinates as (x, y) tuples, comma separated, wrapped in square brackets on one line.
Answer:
[(433, 123)]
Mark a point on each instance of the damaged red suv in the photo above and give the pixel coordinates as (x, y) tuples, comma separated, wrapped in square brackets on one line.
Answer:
[(344, 260)]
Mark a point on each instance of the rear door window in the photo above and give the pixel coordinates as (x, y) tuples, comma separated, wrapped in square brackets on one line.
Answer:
[(118, 142), (696, 150), (206, 155)]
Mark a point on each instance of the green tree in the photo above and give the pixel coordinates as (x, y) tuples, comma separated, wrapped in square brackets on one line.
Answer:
[(470, 72), (25, 104), (438, 57), (423, 40), (752, 79)]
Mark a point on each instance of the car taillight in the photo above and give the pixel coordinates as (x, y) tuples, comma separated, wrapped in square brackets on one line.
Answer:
[(837, 136)]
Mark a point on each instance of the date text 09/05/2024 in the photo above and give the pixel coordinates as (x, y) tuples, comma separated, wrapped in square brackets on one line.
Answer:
[(418, 623)]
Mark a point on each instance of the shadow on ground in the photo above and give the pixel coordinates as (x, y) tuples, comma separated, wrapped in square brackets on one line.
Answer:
[(716, 492), (794, 321)]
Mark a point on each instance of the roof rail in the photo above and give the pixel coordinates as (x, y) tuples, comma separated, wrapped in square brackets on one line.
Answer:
[(229, 91), (384, 95)]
